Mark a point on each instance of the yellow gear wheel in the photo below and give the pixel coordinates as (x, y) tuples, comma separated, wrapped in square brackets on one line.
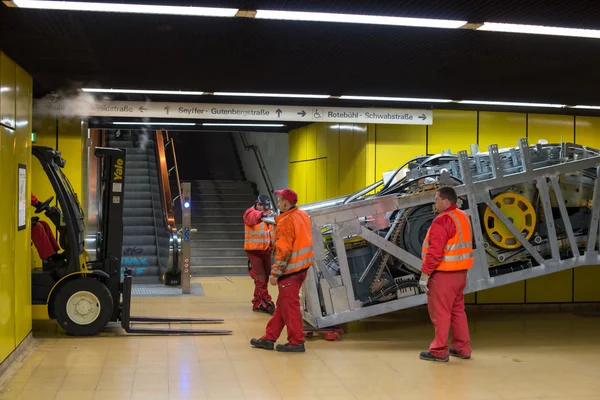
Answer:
[(519, 210)]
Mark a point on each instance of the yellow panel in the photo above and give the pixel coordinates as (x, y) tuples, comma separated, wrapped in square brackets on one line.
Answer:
[(321, 179), (322, 132), (7, 94), (501, 128), (360, 163), (311, 190), (311, 142), (553, 128), (8, 188), (396, 144), (452, 129), (588, 131), (586, 283), (297, 145), (371, 155), (470, 298), (333, 159), (22, 248), (297, 179), (346, 162), (71, 147), (513, 293), (553, 288)]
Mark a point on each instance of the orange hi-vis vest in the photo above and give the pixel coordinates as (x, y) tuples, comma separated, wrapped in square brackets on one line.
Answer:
[(293, 243), (258, 237), (458, 252)]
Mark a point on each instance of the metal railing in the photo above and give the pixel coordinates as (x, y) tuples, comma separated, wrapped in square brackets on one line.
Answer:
[(262, 166), (167, 163)]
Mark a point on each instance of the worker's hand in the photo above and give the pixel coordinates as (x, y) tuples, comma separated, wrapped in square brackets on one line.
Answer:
[(423, 283), (266, 213), (273, 280)]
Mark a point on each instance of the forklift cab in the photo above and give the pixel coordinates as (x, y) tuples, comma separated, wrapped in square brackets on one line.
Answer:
[(84, 295)]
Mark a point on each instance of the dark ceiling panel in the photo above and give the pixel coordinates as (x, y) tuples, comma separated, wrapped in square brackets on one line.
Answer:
[(68, 50)]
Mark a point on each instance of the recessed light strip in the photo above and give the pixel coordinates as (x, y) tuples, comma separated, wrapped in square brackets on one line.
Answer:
[(358, 19), (155, 123), (136, 91), (282, 95), (539, 30), (509, 103), (127, 8), (249, 125), (411, 99)]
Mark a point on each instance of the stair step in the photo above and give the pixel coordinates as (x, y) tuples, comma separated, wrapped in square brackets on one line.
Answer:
[(217, 261), (132, 212), (222, 191), (220, 227), (247, 198), (138, 230), (196, 252), (217, 236), (216, 219), (139, 221), (216, 243), (221, 204), (220, 271), (218, 184), (200, 212)]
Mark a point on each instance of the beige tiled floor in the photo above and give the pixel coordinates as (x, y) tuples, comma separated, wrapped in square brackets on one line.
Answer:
[(516, 356)]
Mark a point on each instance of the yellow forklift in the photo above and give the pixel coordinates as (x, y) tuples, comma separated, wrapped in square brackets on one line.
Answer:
[(84, 295)]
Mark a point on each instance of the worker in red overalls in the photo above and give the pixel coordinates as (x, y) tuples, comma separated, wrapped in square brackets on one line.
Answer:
[(44, 241), (447, 256), (258, 244), (293, 258)]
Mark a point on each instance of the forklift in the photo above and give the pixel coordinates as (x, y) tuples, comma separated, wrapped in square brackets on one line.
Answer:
[(81, 294)]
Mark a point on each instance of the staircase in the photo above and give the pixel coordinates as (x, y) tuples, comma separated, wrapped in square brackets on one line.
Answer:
[(145, 242), (217, 248)]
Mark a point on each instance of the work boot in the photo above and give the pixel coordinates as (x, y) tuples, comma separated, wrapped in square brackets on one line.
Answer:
[(291, 348), (262, 343), (271, 307), (261, 308), (455, 353), (427, 356)]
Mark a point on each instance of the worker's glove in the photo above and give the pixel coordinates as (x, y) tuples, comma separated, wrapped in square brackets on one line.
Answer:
[(423, 283)]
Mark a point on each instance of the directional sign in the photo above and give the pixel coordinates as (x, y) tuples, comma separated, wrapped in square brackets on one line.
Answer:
[(246, 112)]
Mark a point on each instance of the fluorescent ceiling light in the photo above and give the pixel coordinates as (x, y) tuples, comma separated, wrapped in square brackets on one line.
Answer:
[(358, 19), (259, 125), (156, 123), (176, 92), (588, 107), (299, 96), (127, 8), (378, 98), (509, 103), (539, 30)]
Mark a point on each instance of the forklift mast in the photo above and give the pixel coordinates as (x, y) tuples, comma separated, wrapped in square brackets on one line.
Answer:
[(110, 233)]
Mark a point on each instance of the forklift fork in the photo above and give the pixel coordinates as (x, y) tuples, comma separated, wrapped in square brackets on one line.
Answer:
[(127, 319)]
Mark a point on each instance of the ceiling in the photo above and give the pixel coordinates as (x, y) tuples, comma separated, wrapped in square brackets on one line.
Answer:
[(66, 50)]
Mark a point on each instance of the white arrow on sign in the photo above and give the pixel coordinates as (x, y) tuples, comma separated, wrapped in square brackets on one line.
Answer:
[(246, 112)]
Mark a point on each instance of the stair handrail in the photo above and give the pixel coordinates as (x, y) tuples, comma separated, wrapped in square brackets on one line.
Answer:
[(169, 143), (163, 175), (262, 166)]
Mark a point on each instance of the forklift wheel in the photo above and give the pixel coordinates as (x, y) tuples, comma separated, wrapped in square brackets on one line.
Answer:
[(83, 306)]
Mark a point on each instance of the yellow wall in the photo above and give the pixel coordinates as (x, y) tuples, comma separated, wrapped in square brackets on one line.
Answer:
[(354, 156), (15, 149)]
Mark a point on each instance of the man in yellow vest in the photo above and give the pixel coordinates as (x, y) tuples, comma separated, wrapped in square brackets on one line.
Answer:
[(447, 255), (258, 244), (293, 258)]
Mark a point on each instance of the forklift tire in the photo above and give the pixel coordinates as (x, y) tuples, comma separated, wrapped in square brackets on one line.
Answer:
[(83, 306)]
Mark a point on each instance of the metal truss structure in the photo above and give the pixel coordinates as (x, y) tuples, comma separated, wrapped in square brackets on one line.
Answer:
[(534, 211)]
